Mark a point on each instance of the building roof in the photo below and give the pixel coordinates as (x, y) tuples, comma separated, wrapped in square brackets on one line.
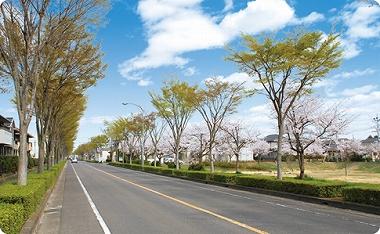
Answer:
[(4, 120), (370, 140), (271, 138)]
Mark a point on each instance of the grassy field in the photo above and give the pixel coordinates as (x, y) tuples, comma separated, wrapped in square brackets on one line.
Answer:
[(363, 172)]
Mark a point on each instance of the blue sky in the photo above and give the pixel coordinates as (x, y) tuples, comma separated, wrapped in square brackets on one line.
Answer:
[(146, 42)]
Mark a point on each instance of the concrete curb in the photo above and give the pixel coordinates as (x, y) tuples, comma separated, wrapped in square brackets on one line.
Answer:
[(32, 223), (315, 200)]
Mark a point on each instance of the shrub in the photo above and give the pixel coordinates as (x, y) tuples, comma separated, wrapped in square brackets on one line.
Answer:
[(180, 173), (200, 175), (158, 163), (32, 162), (166, 171), (172, 165), (11, 218), (29, 196), (8, 164), (196, 167), (224, 178), (364, 193), (317, 188)]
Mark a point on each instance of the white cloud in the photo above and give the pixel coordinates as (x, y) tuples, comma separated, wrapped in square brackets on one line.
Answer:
[(190, 71), (240, 77), (228, 5), (311, 18), (144, 82), (177, 27), (362, 22), (267, 15), (355, 73), (358, 91)]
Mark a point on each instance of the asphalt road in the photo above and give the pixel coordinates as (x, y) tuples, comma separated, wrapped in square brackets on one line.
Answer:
[(126, 201)]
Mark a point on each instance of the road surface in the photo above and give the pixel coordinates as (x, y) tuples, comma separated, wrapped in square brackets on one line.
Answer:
[(97, 198)]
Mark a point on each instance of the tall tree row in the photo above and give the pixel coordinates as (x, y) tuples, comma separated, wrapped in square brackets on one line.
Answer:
[(45, 48)]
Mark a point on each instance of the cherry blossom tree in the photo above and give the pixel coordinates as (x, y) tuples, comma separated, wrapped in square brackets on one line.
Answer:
[(347, 149), (372, 151), (308, 121), (259, 148), (155, 133), (195, 139), (236, 136), (214, 103)]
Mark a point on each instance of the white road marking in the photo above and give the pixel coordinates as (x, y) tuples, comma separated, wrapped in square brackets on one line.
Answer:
[(145, 174), (92, 204), (235, 222)]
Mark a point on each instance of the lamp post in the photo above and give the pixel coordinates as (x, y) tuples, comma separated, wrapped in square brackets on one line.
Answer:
[(142, 138)]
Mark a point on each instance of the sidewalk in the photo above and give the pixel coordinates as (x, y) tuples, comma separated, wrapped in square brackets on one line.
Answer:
[(51, 217)]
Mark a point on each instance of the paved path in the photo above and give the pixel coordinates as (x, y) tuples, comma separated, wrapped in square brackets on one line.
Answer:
[(125, 201)]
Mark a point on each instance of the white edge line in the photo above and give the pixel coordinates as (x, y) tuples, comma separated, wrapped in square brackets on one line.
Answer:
[(92, 204)]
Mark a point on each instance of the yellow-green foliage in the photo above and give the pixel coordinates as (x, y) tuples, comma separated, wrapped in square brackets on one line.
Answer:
[(27, 198), (11, 218)]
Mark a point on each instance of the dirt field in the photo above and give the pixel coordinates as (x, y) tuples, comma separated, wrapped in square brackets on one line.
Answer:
[(357, 171)]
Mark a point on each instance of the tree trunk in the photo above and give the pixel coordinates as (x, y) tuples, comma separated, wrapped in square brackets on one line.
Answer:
[(279, 148), (301, 162), (142, 152), (41, 155), (22, 169), (345, 166), (177, 158), (155, 156), (237, 163), (211, 159)]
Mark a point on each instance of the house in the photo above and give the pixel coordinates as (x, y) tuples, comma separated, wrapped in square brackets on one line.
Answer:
[(272, 140), (10, 138), (7, 146), (102, 155), (373, 144)]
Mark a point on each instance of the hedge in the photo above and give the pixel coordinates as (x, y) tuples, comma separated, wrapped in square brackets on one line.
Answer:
[(361, 193), (365, 193), (8, 164), (316, 188), (11, 218), (30, 196)]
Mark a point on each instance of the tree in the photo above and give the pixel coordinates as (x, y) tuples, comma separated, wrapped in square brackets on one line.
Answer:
[(236, 136), (288, 69), (218, 100), (155, 133), (99, 142), (175, 104), (308, 121), (347, 149), (142, 126), (259, 148), (61, 82), (27, 28), (195, 140)]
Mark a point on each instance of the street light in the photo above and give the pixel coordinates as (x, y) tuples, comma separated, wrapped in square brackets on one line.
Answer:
[(142, 141)]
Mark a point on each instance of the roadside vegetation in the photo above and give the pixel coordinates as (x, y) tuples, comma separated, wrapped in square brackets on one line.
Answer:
[(17, 203), (369, 193)]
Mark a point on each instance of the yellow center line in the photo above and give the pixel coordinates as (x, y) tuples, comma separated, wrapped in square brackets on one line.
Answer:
[(243, 225)]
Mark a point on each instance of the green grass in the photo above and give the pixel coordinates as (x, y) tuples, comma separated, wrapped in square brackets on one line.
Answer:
[(372, 167), (24, 200)]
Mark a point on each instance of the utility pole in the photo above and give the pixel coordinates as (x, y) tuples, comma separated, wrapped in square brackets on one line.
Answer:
[(143, 134)]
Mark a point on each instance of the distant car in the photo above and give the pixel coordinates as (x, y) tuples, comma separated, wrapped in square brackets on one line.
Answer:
[(74, 160), (171, 159)]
